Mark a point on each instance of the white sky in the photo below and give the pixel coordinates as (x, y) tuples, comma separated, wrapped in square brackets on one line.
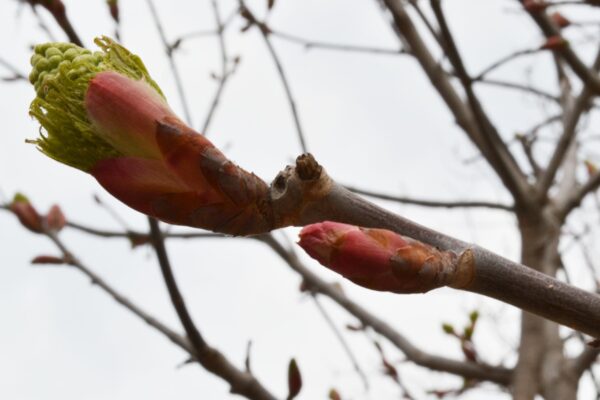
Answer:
[(373, 121)]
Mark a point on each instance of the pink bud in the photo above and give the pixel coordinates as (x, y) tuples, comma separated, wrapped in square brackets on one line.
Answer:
[(379, 259), (554, 43), (27, 214), (535, 6), (124, 112), (55, 219)]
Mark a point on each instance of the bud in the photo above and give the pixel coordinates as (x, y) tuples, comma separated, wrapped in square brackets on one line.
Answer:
[(382, 260), (103, 114), (554, 43), (560, 20), (535, 6), (449, 329), (113, 8), (55, 220), (48, 260), (294, 380), (27, 215)]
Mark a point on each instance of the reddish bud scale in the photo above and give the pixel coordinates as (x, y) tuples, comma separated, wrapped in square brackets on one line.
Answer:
[(27, 215), (48, 260), (55, 219), (535, 6), (554, 43), (560, 20), (379, 259)]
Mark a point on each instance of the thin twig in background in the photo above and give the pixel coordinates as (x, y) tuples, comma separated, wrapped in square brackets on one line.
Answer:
[(17, 75), (242, 382), (265, 32), (225, 71), (58, 11), (42, 24), (508, 58), (74, 262), (519, 87), (431, 203), (341, 339), (172, 63), (310, 44), (468, 370)]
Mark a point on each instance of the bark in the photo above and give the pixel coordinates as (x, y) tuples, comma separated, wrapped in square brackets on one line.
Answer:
[(542, 366)]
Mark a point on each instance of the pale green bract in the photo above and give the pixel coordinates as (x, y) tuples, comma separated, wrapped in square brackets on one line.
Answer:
[(60, 75)]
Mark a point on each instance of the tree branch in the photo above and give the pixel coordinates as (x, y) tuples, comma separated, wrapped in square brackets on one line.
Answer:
[(265, 32), (431, 203), (169, 54), (587, 76), (225, 72), (309, 44), (318, 198), (468, 370), (242, 382), (492, 146), (573, 116), (465, 118), (73, 261)]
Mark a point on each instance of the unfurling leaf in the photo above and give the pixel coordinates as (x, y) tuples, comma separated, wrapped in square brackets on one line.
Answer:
[(103, 114)]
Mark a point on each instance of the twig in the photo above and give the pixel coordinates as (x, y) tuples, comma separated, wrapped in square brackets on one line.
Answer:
[(572, 119), (73, 261), (496, 152), (174, 69), (310, 44), (242, 382), (590, 186), (265, 32), (131, 234), (518, 86), (510, 57), (59, 13), (588, 77), (225, 73), (482, 372), (431, 203), (342, 340), (17, 75)]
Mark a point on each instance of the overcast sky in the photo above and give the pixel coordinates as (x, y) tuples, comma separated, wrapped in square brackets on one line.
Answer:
[(371, 120)]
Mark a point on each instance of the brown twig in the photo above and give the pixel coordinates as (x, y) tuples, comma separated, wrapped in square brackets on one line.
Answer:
[(508, 58), (17, 75), (491, 144), (58, 11), (225, 72), (549, 29), (73, 261), (573, 116), (519, 87), (342, 340), (431, 203), (172, 63), (265, 32), (311, 44), (242, 382)]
